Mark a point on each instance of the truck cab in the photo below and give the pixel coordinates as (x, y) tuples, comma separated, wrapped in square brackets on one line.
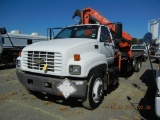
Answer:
[(98, 34), (78, 62)]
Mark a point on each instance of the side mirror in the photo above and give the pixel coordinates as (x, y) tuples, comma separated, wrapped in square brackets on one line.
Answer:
[(147, 38), (118, 30), (3, 30)]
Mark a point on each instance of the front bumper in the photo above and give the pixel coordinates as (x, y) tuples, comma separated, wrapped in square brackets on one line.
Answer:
[(50, 85)]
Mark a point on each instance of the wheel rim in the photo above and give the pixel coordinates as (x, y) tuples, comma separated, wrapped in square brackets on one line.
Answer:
[(97, 90)]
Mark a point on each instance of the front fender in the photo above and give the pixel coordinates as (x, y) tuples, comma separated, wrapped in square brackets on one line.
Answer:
[(95, 60)]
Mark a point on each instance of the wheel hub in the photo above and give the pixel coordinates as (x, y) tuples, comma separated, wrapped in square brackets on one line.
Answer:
[(97, 90)]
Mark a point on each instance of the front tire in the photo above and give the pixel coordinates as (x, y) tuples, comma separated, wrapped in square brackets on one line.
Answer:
[(95, 93)]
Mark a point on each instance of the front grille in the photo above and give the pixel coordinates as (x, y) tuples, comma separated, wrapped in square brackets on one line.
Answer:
[(36, 60)]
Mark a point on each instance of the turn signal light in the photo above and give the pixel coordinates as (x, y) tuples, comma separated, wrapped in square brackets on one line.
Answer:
[(77, 57)]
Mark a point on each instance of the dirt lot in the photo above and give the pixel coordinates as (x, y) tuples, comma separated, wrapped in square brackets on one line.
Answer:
[(132, 100)]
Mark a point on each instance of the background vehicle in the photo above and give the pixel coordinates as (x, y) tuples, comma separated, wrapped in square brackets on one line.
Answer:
[(12, 43), (153, 27), (155, 54), (148, 39), (80, 62), (140, 48)]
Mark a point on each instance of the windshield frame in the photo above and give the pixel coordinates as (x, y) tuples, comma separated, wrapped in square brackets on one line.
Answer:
[(79, 31)]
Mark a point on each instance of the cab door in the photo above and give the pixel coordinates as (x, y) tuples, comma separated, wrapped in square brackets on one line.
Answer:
[(106, 44)]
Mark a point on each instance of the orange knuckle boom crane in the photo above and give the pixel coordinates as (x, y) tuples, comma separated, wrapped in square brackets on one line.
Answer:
[(91, 16)]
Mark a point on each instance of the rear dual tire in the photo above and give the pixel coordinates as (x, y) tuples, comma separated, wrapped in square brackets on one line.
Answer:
[(138, 66)]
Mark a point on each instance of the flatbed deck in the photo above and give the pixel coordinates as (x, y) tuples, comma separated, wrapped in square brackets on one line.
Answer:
[(137, 53)]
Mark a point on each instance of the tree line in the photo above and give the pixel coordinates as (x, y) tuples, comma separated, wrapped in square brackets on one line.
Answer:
[(137, 41)]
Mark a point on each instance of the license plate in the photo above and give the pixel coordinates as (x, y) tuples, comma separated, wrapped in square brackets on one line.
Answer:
[(66, 88)]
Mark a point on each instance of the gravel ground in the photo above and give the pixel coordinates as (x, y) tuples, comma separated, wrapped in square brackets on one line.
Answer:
[(132, 100)]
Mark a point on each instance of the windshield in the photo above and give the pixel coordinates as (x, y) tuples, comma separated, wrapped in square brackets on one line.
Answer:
[(138, 47), (87, 31)]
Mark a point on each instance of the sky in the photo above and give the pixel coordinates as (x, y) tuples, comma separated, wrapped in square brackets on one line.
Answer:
[(30, 16)]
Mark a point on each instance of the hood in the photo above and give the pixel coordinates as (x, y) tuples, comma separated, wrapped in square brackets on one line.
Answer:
[(59, 45)]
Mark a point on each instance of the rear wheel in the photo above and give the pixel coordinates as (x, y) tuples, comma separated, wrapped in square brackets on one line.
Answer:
[(137, 66), (94, 94)]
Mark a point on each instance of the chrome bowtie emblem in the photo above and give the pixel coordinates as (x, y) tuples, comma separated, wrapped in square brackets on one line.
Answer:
[(39, 60)]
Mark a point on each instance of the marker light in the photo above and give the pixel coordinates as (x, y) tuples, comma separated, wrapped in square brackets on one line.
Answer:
[(77, 57)]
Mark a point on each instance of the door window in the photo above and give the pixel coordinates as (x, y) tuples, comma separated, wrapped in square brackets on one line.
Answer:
[(105, 37)]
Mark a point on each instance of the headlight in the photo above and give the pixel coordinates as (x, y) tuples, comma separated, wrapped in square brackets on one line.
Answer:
[(75, 69), (18, 63)]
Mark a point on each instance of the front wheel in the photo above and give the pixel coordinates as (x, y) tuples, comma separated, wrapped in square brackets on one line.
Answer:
[(94, 94)]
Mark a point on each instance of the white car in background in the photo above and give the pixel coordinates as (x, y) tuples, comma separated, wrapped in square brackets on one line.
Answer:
[(140, 48)]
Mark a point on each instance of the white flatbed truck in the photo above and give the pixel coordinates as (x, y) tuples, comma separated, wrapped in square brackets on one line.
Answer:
[(80, 62)]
